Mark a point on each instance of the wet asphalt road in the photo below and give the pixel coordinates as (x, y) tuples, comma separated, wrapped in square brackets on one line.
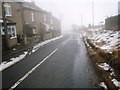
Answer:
[(68, 67)]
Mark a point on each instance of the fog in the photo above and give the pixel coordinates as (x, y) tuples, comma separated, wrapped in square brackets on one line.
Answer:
[(80, 12)]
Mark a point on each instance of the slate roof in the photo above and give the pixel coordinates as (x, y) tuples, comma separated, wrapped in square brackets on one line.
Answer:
[(32, 6)]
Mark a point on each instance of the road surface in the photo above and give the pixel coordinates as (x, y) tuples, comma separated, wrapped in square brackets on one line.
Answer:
[(59, 64)]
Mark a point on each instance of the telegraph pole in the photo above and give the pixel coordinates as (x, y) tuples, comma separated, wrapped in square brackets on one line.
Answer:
[(60, 23), (81, 19), (5, 26), (92, 13)]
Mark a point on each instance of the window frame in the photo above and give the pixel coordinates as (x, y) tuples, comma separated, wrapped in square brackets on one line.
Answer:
[(1, 30), (47, 28), (11, 32), (34, 31), (45, 17), (51, 21), (8, 11), (33, 19)]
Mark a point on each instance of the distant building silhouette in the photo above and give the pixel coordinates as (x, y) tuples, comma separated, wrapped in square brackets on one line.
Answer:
[(113, 23)]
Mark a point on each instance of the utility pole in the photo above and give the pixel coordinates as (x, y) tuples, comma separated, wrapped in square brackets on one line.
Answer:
[(92, 13), (5, 26), (81, 19), (60, 23)]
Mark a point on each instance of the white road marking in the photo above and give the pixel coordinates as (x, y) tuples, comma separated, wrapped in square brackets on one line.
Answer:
[(7, 64), (27, 74)]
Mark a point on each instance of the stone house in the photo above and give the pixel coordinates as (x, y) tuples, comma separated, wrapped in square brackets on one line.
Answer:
[(27, 23), (56, 27), (13, 22), (31, 25), (37, 23), (50, 26), (46, 26)]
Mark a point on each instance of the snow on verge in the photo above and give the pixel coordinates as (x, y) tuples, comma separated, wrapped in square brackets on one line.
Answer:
[(106, 40), (104, 66), (36, 47), (6, 64), (107, 67), (116, 83), (102, 84)]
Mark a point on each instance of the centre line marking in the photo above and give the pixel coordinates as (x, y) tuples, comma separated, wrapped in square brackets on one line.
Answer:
[(27, 74)]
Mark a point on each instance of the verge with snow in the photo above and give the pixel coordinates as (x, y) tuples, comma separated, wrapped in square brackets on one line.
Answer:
[(12, 61), (105, 39), (37, 46), (102, 84), (108, 41), (107, 67), (6, 64)]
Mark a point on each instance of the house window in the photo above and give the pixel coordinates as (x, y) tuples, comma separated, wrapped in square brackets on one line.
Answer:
[(2, 31), (33, 17), (7, 9), (47, 28), (11, 31), (44, 17), (1, 28), (51, 22), (34, 31)]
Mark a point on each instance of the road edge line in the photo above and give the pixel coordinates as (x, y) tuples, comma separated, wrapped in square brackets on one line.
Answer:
[(28, 73)]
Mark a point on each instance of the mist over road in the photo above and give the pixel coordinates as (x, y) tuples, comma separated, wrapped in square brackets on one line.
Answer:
[(63, 63)]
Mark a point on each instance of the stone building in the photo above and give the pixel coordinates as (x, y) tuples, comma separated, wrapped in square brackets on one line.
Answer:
[(27, 23), (32, 16), (14, 23)]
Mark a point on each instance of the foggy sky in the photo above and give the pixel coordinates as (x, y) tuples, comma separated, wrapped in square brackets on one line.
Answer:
[(72, 10)]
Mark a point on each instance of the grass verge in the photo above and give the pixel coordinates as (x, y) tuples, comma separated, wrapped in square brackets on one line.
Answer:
[(99, 56)]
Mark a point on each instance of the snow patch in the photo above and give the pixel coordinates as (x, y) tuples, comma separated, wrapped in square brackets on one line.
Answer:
[(116, 83), (6, 64), (12, 61), (36, 47), (105, 39), (102, 84), (112, 73), (105, 66), (14, 48)]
